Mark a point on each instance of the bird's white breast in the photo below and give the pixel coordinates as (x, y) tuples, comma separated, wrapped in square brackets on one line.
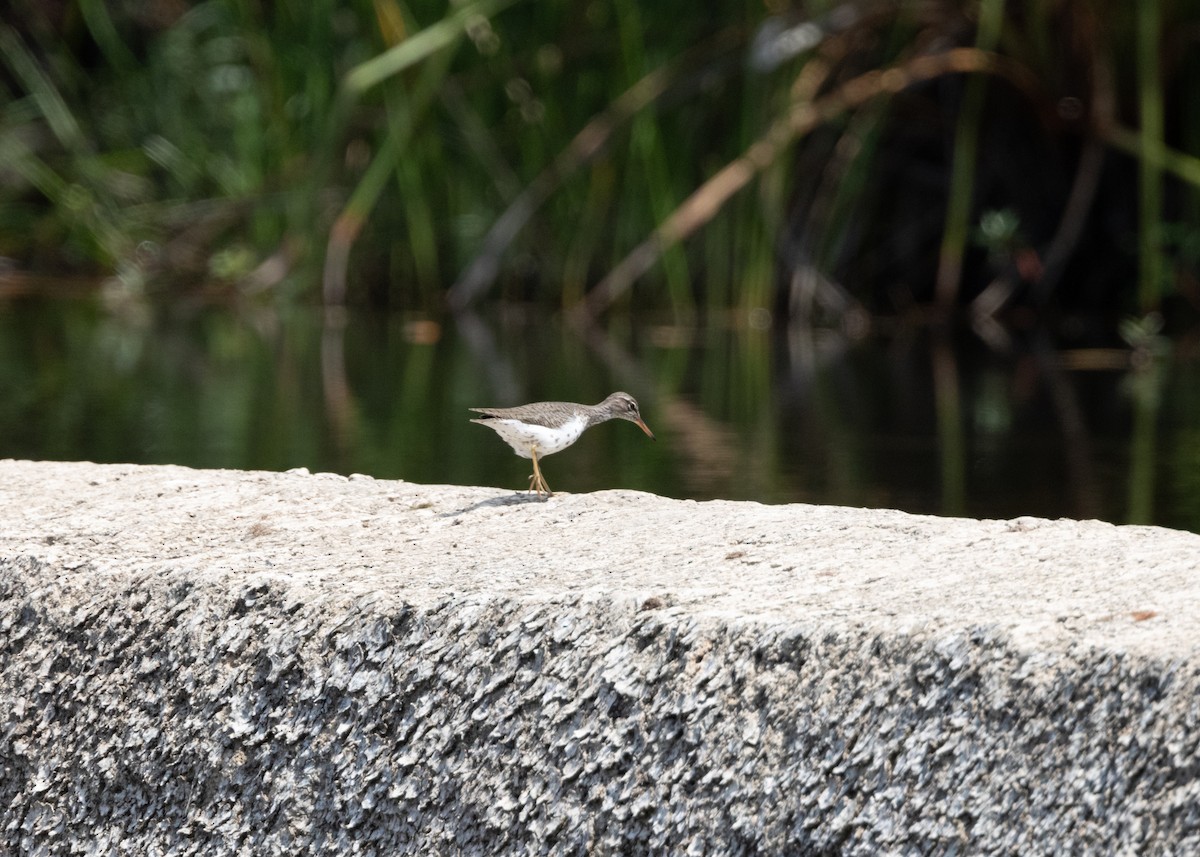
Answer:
[(524, 438)]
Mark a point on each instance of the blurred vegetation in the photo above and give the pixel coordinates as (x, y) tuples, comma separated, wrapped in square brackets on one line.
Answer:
[(823, 160)]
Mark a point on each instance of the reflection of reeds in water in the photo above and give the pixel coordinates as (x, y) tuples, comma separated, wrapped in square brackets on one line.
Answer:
[(902, 420), (709, 452)]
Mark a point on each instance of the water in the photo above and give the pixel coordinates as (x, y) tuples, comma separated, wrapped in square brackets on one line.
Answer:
[(904, 421)]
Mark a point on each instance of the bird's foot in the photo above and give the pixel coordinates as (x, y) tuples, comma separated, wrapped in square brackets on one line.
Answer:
[(538, 483)]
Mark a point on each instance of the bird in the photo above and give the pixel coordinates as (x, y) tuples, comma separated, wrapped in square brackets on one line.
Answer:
[(543, 428)]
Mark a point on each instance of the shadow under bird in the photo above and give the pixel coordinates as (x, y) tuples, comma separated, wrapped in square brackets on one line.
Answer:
[(548, 427)]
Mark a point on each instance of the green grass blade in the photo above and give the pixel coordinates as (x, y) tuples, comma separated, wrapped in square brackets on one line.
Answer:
[(966, 151), (1150, 258), (51, 103), (420, 46), (100, 24)]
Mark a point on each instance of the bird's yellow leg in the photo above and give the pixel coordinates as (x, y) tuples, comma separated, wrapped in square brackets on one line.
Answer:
[(537, 482)]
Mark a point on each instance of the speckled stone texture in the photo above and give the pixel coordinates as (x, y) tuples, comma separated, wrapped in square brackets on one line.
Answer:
[(218, 663)]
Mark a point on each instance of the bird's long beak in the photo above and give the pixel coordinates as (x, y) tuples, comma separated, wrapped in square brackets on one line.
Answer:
[(646, 429)]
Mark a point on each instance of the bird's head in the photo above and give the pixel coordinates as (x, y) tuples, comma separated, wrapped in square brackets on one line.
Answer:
[(625, 407)]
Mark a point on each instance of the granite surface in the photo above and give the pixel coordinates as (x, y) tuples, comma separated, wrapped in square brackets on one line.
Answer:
[(223, 662)]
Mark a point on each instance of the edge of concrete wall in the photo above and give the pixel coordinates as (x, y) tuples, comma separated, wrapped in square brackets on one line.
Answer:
[(200, 662)]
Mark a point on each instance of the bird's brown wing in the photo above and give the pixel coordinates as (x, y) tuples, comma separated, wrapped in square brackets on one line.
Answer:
[(548, 414)]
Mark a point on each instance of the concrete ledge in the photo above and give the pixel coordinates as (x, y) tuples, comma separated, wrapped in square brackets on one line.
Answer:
[(213, 662)]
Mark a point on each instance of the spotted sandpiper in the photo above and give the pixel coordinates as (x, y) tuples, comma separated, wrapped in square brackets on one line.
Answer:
[(546, 427)]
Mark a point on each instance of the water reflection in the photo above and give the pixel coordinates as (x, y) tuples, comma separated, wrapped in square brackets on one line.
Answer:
[(906, 421)]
